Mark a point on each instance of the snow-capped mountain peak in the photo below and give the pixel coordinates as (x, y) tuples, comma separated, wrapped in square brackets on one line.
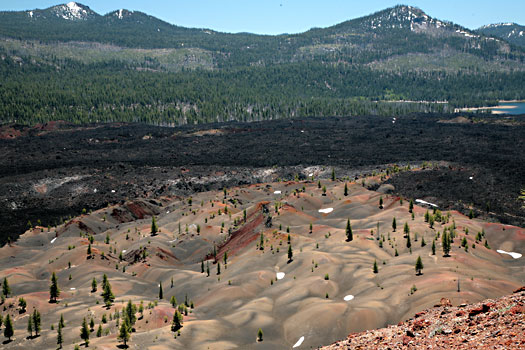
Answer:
[(72, 11)]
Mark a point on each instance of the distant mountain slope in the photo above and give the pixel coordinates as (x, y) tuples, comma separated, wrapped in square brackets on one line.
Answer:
[(74, 64), (395, 31), (511, 32)]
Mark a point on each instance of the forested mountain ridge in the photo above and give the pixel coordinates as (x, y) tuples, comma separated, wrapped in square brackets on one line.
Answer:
[(511, 32), (68, 62)]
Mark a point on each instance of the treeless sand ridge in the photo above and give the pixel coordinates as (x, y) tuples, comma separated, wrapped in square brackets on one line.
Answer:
[(280, 264)]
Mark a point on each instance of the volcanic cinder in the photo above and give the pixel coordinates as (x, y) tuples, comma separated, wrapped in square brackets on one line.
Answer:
[(325, 291)]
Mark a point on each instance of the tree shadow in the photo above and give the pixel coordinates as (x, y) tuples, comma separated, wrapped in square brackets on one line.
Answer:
[(122, 346), (7, 341)]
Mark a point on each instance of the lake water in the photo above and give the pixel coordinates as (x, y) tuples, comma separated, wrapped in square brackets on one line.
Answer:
[(520, 108)]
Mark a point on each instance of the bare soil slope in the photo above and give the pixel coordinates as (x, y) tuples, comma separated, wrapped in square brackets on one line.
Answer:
[(326, 291)]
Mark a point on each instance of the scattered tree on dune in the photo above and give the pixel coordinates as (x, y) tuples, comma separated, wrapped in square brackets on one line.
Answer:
[(84, 332), (176, 323), (6, 290), (154, 227), (30, 326), (433, 247), (445, 241), (411, 206), (54, 291), (349, 234), (394, 225), (375, 269), (93, 285), (346, 190), (37, 323), (260, 335), (8, 330), (161, 294), (419, 266), (107, 294), (290, 253), (333, 174), (124, 333), (60, 339), (381, 202)]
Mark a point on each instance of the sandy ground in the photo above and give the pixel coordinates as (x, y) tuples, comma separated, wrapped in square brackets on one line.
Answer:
[(259, 287)]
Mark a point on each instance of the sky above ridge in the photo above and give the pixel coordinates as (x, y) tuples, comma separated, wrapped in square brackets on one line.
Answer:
[(290, 16)]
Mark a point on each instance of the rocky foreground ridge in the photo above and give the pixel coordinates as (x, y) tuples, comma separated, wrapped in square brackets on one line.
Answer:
[(491, 324)]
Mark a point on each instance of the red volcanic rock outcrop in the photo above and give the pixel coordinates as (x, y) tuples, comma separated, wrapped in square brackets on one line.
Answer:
[(491, 324)]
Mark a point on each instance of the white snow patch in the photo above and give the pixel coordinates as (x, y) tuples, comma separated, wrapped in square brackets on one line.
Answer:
[(425, 202), (470, 178), (348, 297), (326, 210), (112, 191), (53, 240), (280, 275), (72, 288), (514, 255), (119, 14), (299, 342), (172, 241), (311, 174), (95, 190), (277, 192), (124, 251), (31, 14)]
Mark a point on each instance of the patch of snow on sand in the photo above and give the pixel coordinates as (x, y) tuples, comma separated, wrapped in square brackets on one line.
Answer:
[(53, 240), (514, 255), (172, 241), (31, 14), (277, 192), (326, 210), (72, 288), (280, 275), (119, 14), (348, 298), (124, 251), (299, 342), (425, 202)]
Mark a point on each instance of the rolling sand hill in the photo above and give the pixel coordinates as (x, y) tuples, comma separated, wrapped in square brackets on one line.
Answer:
[(326, 291)]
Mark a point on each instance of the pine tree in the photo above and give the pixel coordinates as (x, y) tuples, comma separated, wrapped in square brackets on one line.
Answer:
[(6, 290), (61, 322), (202, 266), (60, 339), (261, 242), (225, 259), (93, 285), (411, 206), (394, 225), (89, 250), (346, 190), (290, 253), (99, 331), (419, 265), (406, 229), (381, 202), (445, 241), (333, 174), (84, 332), (37, 323), (218, 268), (154, 227), (30, 326), (376, 270), (92, 324), (161, 294), (124, 333), (311, 228), (349, 234), (260, 335), (433, 247), (8, 330), (208, 269), (173, 301), (107, 294), (409, 243), (54, 291), (176, 324), (423, 243)]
